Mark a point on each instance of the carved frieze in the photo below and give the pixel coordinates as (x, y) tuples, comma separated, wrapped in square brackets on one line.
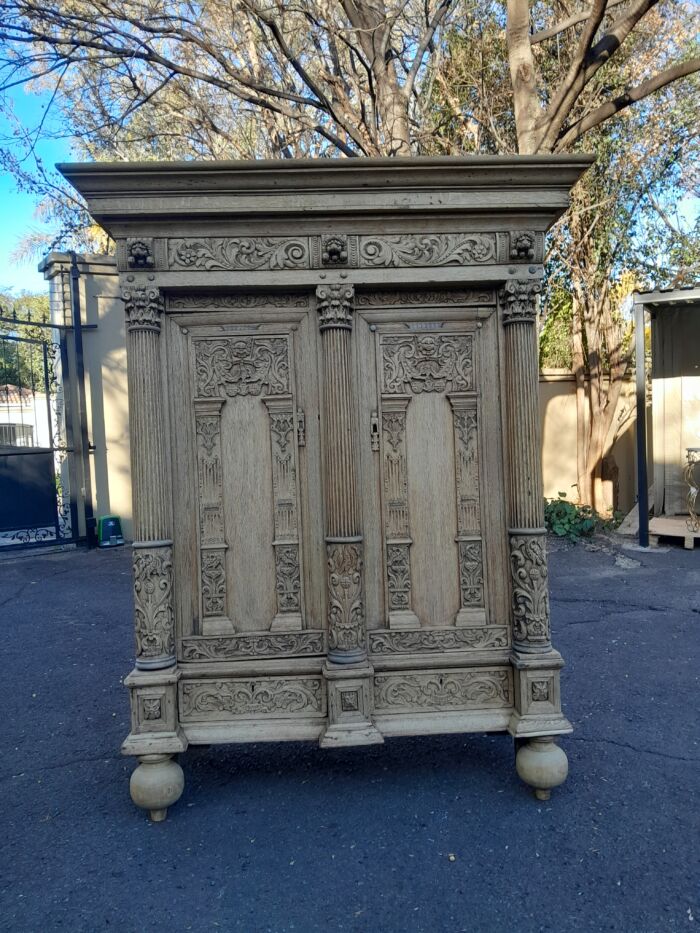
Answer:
[(346, 629), (238, 253), (154, 622), (436, 640), (143, 306), (235, 302), (335, 306), (441, 249), (518, 300), (226, 699), (256, 645), (528, 562), (442, 691), (420, 297), (235, 366), (427, 363)]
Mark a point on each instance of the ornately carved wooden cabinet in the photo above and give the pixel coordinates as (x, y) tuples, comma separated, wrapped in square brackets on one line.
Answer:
[(335, 452)]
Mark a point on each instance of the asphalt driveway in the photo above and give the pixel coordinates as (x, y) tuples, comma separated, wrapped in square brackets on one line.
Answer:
[(425, 834)]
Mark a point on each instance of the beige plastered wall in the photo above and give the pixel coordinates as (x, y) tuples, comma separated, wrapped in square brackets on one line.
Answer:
[(108, 413)]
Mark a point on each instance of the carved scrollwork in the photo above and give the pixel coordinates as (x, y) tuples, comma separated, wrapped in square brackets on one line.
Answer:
[(456, 690), (427, 363), (251, 697), (257, 645), (435, 640), (518, 299), (345, 602), (154, 621), (213, 583), (417, 296), (235, 366), (143, 305), (288, 580), (214, 302), (471, 573), (398, 571), (440, 249), (528, 561), (230, 253), (335, 306)]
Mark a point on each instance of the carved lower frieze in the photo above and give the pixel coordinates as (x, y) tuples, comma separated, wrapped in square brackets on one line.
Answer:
[(438, 640), (423, 297), (202, 700), (236, 302), (254, 645), (154, 621), (346, 614), (530, 602), (402, 691)]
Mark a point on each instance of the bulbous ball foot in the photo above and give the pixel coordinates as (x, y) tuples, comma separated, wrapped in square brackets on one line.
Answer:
[(542, 765), (156, 784)]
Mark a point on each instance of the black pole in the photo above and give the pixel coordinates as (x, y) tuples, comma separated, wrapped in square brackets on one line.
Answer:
[(641, 428), (82, 404)]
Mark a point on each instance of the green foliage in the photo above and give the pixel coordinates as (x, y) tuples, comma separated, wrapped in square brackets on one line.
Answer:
[(22, 364), (555, 337), (570, 521)]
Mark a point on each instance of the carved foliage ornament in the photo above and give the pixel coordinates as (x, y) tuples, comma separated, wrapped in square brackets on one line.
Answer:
[(241, 366), (399, 577), (229, 253), (451, 639), (143, 305), (250, 697), (457, 690), (213, 583), (431, 250), (345, 606), (288, 582), (335, 306), (154, 622), (427, 363), (471, 573), (210, 302), (518, 300), (528, 562), (260, 645)]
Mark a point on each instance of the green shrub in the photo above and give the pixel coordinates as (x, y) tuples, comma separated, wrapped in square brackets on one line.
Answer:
[(570, 521)]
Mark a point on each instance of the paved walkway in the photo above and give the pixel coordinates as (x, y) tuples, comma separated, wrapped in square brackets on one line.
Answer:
[(426, 834)]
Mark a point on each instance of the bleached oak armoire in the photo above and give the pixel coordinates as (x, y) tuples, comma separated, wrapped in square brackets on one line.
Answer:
[(335, 452)]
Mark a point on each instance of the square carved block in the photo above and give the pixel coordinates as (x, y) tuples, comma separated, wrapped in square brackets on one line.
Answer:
[(349, 700), (153, 705), (539, 691)]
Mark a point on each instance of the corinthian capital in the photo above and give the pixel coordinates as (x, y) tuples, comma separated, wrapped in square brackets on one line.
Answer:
[(518, 300), (143, 305), (335, 306)]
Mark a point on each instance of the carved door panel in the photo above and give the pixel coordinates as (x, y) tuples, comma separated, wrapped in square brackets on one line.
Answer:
[(248, 477), (428, 476)]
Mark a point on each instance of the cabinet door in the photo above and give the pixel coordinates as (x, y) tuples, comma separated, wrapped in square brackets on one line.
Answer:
[(433, 475), (243, 534)]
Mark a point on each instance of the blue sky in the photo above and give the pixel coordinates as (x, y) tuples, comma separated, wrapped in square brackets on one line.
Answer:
[(17, 209)]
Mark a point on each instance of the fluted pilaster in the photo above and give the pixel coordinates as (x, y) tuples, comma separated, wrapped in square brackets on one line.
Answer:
[(347, 637), (530, 603), (154, 620)]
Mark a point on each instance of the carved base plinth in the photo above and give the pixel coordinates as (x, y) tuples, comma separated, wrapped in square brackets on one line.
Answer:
[(467, 617), (287, 622), (537, 696), (155, 728), (403, 621), (349, 706)]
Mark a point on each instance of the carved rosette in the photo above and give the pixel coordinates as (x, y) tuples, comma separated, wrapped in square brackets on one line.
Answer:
[(346, 614), (143, 306), (154, 622), (528, 563)]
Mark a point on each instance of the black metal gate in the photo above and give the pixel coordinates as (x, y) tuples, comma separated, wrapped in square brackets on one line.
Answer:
[(43, 472)]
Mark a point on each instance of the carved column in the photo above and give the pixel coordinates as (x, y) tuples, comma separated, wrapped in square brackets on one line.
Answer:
[(154, 620), (348, 672), (528, 558), (347, 638)]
